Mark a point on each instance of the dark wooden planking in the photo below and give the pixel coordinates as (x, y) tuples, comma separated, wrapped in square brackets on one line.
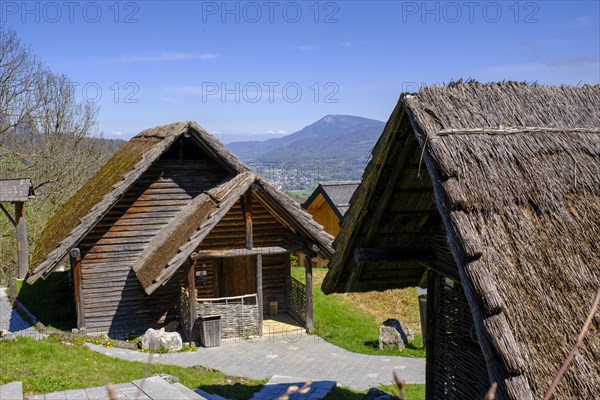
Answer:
[(114, 299)]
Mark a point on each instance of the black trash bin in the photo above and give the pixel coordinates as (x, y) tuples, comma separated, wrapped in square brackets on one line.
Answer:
[(210, 330)]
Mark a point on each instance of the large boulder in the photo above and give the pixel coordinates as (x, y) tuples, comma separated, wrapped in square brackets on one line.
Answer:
[(393, 333), (155, 340)]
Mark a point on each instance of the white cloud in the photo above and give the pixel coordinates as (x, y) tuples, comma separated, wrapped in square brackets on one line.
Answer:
[(581, 22), (349, 43), (304, 47), (573, 62), (155, 56), (270, 132), (117, 133), (281, 132)]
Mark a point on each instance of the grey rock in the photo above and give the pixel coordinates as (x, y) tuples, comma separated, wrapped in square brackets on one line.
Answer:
[(155, 340), (389, 338), (6, 336), (376, 394), (406, 334), (167, 377)]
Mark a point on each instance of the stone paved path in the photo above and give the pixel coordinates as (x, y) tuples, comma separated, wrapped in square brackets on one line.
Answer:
[(296, 354), (12, 321)]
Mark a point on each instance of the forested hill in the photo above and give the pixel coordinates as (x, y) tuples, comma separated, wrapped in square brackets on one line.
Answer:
[(336, 142)]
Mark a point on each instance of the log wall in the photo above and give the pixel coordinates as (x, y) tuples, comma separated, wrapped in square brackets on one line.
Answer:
[(114, 300)]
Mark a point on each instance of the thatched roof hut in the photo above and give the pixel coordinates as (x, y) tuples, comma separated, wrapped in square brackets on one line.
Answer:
[(491, 192), (170, 202)]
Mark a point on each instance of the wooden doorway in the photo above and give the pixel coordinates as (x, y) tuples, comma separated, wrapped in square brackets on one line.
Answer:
[(237, 276)]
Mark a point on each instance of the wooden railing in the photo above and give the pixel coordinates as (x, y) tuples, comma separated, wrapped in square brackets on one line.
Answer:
[(239, 314), (296, 299)]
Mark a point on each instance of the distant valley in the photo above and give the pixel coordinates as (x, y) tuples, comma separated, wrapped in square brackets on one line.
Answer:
[(336, 147)]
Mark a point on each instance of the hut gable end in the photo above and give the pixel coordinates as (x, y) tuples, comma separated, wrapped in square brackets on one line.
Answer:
[(510, 178)]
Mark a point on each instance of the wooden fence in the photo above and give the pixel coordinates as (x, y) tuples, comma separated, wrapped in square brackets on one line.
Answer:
[(239, 314), (296, 299)]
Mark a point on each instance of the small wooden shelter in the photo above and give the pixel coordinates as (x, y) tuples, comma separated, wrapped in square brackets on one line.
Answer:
[(327, 204), (491, 194), (18, 191), (173, 227)]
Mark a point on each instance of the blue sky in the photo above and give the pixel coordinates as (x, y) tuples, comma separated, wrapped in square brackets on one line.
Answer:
[(265, 68)]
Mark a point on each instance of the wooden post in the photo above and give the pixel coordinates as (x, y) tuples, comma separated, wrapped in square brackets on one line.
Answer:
[(259, 292), (247, 208), (22, 253), (190, 287), (430, 367), (309, 295), (78, 286)]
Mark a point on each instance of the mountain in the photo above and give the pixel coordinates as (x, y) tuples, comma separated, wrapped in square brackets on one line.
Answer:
[(335, 147), (328, 126)]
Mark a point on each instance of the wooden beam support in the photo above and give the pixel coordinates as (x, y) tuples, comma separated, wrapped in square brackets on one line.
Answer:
[(259, 292), (207, 254), (444, 269), (247, 209), (10, 218), (308, 255), (22, 252), (77, 286), (390, 254), (190, 288), (430, 365), (388, 192)]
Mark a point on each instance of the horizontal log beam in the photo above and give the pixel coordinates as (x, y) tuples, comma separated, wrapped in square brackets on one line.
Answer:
[(390, 254), (207, 254), (444, 269)]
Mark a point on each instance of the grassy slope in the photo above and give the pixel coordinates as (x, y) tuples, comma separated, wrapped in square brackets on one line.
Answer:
[(50, 365), (339, 320)]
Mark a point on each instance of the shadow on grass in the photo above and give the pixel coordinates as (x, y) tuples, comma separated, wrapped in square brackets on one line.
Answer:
[(237, 391), (51, 301), (375, 344), (340, 393)]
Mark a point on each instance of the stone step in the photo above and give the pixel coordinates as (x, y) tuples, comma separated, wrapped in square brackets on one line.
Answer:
[(12, 390), (158, 389), (191, 394)]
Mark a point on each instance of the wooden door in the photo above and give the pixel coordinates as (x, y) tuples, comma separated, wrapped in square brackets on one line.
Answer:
[(238, 276)]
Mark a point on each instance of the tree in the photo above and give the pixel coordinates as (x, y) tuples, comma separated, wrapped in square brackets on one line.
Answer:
[(46, 134)]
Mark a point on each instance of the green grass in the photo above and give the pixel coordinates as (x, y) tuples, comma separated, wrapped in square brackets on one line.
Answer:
[(50, 300), (345, 325), (50, 365)]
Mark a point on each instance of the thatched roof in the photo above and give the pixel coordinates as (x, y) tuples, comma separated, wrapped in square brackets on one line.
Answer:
[(507, 176), (16, 190), (87, 207), (336, 194)]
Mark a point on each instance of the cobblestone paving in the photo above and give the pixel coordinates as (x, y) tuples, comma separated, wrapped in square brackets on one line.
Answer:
[(299, 354)]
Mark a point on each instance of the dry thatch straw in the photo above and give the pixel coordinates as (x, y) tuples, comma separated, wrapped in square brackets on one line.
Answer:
[(510, 173)]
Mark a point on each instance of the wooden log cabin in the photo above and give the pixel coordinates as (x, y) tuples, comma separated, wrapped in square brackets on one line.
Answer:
[(488, 195), (175, 227), (327, 204)]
